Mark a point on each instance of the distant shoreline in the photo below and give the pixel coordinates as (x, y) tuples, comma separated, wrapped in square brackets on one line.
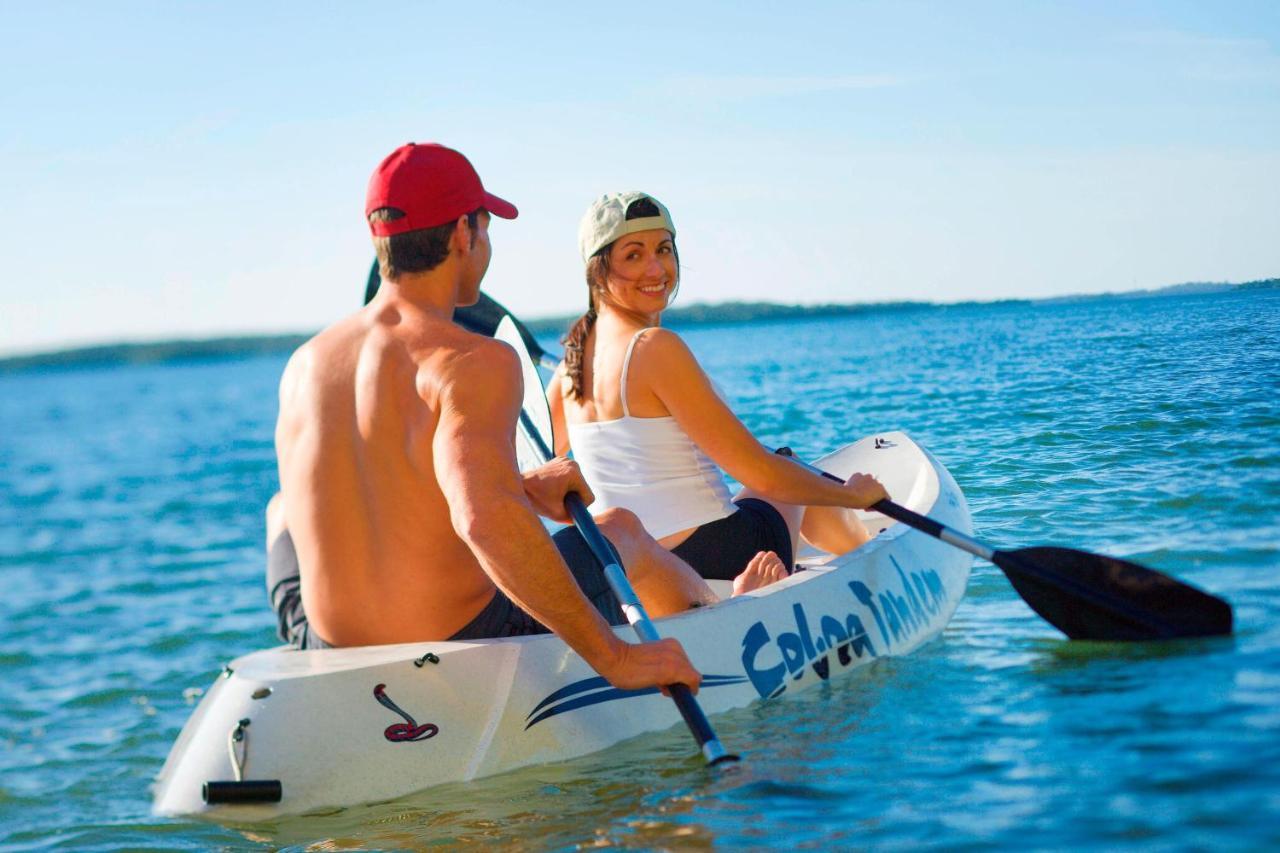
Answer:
[(247, 346)]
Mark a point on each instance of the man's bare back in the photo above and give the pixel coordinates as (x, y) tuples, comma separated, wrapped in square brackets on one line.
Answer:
[(380, 560)]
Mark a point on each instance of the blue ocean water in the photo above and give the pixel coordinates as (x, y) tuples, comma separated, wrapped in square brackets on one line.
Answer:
[(131, 566)]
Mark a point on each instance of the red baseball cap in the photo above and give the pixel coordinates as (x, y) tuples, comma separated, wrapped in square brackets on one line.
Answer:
[(432, 185)]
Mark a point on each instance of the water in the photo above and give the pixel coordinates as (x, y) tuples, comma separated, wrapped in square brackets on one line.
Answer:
[(131, 562)]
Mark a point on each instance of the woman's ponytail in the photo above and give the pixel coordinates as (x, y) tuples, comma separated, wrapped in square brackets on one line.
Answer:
[(575, 341)]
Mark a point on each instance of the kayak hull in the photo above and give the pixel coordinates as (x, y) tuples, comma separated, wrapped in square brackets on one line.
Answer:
[(341, 727)]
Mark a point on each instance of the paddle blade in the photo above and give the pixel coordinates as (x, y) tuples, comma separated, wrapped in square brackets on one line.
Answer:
[(535, 406), (1093, 597), (486, 317), (372, 283)]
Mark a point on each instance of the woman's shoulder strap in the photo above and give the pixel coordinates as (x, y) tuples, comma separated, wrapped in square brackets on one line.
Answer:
[(626, 365)]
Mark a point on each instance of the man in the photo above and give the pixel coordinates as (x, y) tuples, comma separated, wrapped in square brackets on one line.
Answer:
[(399, 486)]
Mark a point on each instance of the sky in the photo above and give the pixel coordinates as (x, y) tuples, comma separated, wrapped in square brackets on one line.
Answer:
[(173, 170)]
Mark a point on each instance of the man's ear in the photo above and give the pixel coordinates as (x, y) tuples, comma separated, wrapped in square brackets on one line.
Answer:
[(461, 239)]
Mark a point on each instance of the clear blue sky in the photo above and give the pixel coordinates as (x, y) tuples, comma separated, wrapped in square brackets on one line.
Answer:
[(178, 169)]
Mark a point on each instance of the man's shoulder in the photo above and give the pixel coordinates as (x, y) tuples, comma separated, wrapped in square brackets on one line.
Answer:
[(332, 338), (441, 353), (479, 380), (321, 350), (475, 358)]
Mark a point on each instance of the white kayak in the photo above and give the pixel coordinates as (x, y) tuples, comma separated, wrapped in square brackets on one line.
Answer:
[(306, 730)]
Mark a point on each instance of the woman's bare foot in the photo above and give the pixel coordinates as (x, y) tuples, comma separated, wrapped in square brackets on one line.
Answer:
[(765, 568)]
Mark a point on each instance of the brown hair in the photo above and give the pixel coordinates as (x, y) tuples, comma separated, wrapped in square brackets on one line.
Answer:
[(414, 251), (575, 340)]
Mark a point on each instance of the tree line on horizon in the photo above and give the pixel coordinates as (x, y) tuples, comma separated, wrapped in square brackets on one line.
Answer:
[(699, 314)]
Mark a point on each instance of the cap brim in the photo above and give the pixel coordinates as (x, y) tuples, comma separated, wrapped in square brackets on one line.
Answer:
[(499, 207)]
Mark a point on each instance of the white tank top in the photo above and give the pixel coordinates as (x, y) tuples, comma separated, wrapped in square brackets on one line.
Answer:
[(649, 466)]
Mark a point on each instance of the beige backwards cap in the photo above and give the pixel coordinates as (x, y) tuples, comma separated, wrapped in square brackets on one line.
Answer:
[(606, 220)]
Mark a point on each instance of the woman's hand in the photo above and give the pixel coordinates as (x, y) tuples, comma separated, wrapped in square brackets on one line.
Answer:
[(864, 490), (546, 487)]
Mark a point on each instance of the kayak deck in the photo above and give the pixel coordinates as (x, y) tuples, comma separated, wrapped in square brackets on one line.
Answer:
[(340, 727)]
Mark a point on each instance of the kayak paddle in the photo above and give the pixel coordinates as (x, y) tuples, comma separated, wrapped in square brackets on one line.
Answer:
[(1085, 596), (606, 555)]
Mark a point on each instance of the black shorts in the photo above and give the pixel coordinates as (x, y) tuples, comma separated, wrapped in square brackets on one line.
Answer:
[(284, 589), (720, 550), (499, 618)]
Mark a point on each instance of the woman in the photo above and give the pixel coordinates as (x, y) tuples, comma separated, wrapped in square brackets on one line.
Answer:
[(648, 428)]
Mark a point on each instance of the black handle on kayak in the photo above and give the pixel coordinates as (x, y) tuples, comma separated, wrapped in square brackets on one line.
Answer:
[(247, 791)]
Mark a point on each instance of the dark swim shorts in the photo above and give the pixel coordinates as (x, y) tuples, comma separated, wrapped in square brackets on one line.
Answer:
[(284, 588), (720, 550), (499, 618)]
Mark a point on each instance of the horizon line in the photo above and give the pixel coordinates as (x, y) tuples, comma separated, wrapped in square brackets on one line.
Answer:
[(17, 360)]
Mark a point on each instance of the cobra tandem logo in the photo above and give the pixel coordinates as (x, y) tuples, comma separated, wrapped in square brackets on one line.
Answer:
[(899, 616)]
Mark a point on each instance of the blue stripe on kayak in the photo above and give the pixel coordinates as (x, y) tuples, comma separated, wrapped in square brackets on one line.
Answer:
[(586, 684), (594, 695)]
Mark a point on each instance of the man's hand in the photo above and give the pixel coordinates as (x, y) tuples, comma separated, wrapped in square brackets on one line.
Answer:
[(642, 665), (546, 487), (864, 490)]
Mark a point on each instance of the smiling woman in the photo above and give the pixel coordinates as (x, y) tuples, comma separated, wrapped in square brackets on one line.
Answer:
[(651, 432), (640, 213)]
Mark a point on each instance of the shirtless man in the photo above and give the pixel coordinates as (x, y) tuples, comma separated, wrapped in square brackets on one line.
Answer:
[(399, 486)]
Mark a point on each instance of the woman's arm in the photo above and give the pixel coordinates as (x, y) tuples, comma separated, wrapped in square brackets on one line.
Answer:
[(664, 365), (555, 402)]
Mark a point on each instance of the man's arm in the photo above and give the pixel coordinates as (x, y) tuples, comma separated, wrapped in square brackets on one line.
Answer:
[(475, 464), (287, 421)]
